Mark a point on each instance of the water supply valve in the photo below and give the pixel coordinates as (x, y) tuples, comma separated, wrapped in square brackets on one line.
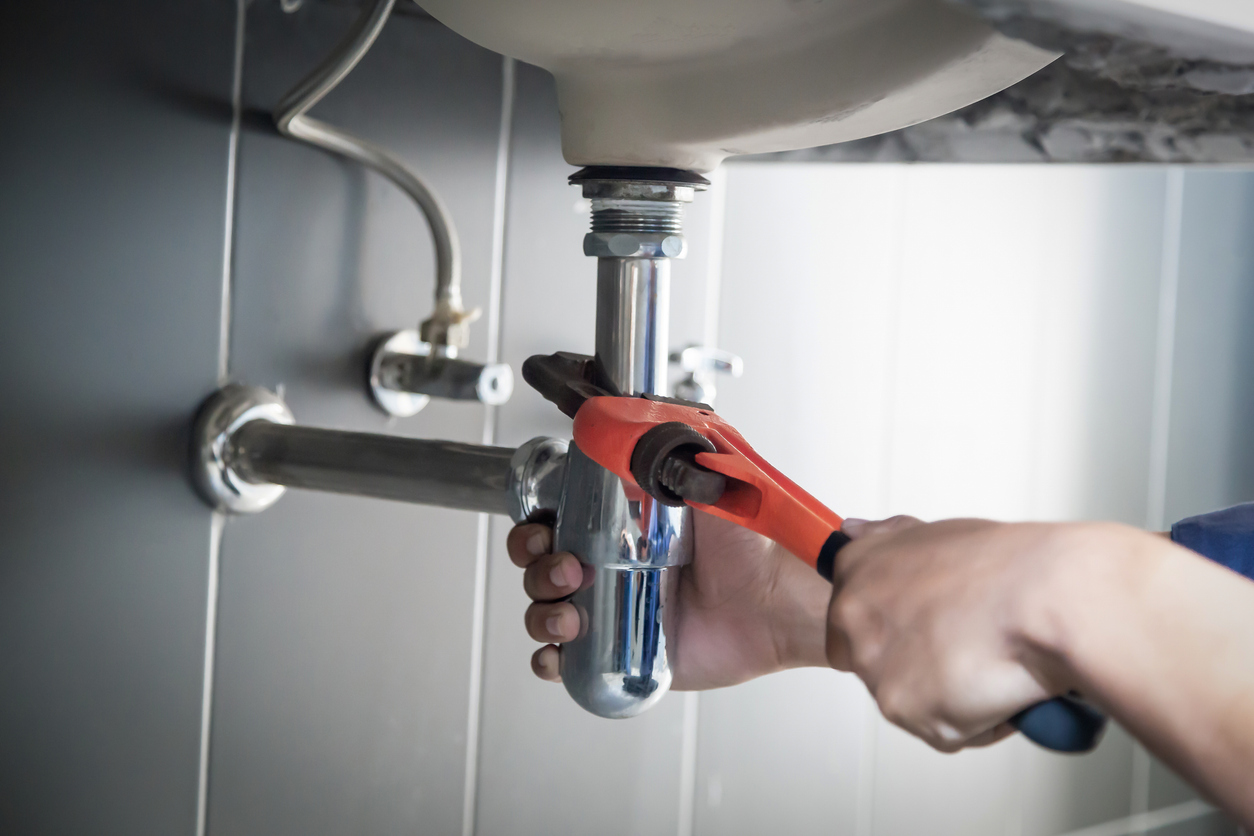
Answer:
[(703, 365), (406, 372)]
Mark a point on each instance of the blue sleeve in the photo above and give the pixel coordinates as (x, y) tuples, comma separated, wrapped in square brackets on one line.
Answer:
[(1226, 537)]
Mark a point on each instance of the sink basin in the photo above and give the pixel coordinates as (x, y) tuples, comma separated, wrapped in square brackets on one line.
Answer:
[(685, 83)]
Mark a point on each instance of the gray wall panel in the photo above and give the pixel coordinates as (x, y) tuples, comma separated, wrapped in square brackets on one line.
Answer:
[(113, 159), (345, 624)]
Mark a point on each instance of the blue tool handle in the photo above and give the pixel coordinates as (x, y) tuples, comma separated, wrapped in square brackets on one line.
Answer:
[(1064, 724)]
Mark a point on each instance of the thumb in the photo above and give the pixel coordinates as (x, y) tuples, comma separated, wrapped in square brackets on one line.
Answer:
[(857, 528)]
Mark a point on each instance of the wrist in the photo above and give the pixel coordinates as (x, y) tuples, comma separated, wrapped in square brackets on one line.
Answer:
[(799, 602), (1080, 586)]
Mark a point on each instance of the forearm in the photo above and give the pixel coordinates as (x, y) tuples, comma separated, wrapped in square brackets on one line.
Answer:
[(1164, 640)]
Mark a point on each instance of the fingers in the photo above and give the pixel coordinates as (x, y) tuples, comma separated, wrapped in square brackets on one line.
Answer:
[(547, 579), (545, 663), (528, 543), (557, 622), (552, 576), (997, 733)]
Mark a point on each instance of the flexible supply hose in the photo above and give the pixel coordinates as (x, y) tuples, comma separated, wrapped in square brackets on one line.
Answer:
[(446, 327)]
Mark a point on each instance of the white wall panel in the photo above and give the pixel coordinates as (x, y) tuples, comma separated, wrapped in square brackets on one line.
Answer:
[(939, 341), (809, 293)]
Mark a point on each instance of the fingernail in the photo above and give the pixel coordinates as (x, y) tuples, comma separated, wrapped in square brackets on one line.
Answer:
[(853, 526), (554, 625), (558, 575), (538, 544)]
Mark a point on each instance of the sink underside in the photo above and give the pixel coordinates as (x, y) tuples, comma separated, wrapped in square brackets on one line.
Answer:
[(685, 83)]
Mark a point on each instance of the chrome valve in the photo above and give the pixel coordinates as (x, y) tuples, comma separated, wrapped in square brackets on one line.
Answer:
[(407, 372), (703, 365)]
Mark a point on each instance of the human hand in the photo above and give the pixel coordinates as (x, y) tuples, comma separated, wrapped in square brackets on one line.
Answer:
[(950, 624), (744, 607)]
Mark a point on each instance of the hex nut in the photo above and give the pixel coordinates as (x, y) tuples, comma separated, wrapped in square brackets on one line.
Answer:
[(624, 245), (634, 245)]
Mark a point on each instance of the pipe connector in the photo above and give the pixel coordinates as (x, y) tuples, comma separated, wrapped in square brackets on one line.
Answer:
[(449, 325), (634, 245), (246, 451), (637, 212), (537, 477)]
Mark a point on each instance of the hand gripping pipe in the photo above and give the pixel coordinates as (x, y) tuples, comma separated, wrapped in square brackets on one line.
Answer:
[(619, 665)]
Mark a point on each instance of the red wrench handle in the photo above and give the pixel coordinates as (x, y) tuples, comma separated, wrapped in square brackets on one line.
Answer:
[(757, 497)]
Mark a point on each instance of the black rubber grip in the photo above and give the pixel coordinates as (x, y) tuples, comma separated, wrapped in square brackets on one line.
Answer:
[(827, 555), (1063, 724)]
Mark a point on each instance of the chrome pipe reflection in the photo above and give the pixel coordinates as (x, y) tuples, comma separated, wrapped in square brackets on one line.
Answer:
[(619, 665), (469, 477), (247, 450)]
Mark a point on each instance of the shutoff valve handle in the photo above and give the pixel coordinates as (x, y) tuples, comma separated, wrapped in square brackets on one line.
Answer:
[(681, 453)]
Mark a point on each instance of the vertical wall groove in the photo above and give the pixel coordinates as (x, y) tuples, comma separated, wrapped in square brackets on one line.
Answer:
[(228, 224), (217, 520), (482, 546), (864, 811), (1160, 419), (688, 764), (1168, 290), (717, 196)]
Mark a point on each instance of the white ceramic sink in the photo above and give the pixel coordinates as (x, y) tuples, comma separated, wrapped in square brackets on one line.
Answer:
[(685, 83)]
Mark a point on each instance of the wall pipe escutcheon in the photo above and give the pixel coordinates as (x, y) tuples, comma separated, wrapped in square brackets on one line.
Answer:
[(247, 451)]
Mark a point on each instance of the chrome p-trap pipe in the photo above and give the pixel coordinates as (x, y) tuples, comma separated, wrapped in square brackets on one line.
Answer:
[(619, 665), (247, 451)]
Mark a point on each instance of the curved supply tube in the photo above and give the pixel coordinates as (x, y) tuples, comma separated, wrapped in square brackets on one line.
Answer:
[(447, 324)]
